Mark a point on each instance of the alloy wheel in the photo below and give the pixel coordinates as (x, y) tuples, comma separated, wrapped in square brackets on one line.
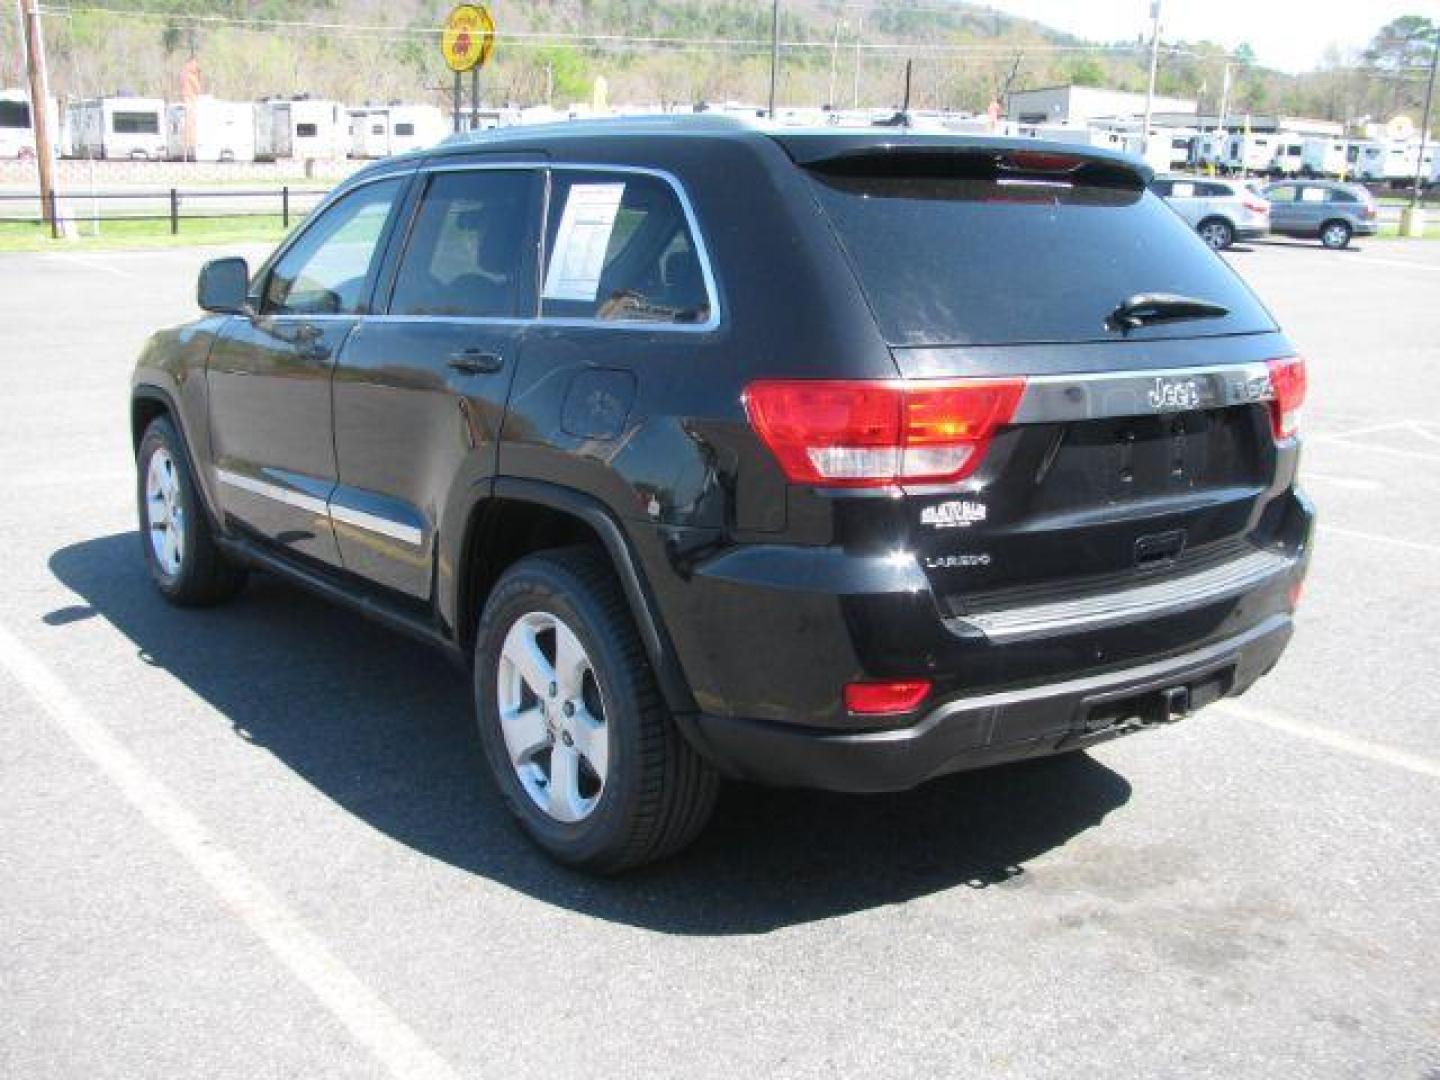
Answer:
[(552, 717), (165, 512)]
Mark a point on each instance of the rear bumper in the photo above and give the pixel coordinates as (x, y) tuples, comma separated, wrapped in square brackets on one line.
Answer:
[(967, 732)]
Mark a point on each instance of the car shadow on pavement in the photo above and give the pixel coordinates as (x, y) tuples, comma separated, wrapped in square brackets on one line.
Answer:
[(382, 726)]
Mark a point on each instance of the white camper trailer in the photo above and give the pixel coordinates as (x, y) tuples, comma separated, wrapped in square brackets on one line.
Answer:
[(209, 129), (1209, 149), (17, 134), (1394, 163), (1288, 156), (381, 130), (1324, 157), (118, 128), (1248, 153), (301, 128)]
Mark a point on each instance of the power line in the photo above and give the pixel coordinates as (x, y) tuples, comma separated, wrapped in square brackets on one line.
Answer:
[(546, 37)]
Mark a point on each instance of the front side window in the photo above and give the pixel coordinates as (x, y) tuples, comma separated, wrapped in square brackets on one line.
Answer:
[(1284, 193), (326, 270), (619, 249), (466, 256)]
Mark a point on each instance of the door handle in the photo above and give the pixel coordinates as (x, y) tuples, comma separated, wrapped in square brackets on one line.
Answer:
[(476, 362)]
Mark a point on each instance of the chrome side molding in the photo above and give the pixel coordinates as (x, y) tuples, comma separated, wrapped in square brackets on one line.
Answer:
[(348, 515)]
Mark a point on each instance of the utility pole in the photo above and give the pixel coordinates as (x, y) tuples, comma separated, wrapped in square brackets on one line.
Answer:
[(1425, 129), (1154, 65), (774, 51), (834, 60), (1221, 136), (39, 82), (859, 34)]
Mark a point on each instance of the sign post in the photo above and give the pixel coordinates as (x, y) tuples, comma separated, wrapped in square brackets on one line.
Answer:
[(466, 41)]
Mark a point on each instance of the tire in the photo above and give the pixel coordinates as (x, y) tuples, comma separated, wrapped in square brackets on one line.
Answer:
[(1335, 235), (185, 562), (1216, 232), (639, 791)]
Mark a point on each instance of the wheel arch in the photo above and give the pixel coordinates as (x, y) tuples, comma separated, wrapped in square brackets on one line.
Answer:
[(520, 517), (147, 404)]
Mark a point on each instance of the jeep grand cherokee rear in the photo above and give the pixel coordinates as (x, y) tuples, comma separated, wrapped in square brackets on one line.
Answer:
[(1070, 514)]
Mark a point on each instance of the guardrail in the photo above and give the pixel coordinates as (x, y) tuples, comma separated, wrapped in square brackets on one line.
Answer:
[(174, 205)]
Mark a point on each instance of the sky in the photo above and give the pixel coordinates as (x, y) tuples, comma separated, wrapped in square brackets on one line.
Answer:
[(1287, 34)]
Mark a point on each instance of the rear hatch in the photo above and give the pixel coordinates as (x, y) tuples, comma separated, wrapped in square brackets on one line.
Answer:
[(1141, 444)]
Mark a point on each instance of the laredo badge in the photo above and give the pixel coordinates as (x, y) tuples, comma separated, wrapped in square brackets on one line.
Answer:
[(959, 514)]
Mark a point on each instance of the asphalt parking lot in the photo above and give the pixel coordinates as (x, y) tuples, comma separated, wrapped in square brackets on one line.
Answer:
[(256, 841)]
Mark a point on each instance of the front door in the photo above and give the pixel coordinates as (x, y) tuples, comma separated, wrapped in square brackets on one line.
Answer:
[(421, 389), (269, 375)]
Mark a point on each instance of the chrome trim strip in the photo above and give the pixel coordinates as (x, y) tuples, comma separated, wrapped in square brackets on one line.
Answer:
[(396, 530), (289, 496), (1060, 398), (1126, 605), (702, 251)]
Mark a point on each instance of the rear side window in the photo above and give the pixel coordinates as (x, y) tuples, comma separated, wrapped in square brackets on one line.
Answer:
[(953, 253), (1338, 196), (466, 254), (619, 248)]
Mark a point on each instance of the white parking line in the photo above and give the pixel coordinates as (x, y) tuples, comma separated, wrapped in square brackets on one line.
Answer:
[(1336, 740), (1352, 483), (369, 1019), (1409, 265), (1340, 441), (1380, 538), (80, 260)]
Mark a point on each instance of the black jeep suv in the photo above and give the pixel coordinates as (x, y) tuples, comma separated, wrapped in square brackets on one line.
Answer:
[(840, 459)]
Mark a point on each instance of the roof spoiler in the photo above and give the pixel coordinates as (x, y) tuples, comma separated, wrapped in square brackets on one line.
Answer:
[(841, 149)]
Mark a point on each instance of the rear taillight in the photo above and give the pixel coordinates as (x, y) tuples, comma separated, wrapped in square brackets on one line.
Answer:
[(1256, 207), (1287, 384), (885, 698), (1367, 211), (850, 433)]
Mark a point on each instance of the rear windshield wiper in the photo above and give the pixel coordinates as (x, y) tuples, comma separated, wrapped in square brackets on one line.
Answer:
[(1144, 309)]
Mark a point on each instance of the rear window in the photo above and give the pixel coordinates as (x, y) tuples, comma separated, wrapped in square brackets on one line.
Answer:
[(952, 253)]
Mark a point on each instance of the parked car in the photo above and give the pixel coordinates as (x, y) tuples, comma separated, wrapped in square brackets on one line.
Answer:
[(813, 457), (1220, 210), (1324, 209)]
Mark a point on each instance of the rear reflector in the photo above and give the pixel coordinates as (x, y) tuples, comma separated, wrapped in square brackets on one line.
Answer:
[(851, 433), (1287, 382), (882, 698)]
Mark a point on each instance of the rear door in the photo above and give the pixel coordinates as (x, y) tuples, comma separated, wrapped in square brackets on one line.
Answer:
[(421, 392), (1284, 211), (1132, 450)]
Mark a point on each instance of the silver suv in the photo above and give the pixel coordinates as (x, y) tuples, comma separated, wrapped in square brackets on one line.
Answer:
[(1327, 209), (1221, 211)]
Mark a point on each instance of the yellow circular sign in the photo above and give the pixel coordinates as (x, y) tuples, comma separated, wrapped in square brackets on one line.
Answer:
[(468, 37)]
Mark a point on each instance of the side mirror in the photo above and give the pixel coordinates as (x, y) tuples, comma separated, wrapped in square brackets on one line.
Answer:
[(224, 286)]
